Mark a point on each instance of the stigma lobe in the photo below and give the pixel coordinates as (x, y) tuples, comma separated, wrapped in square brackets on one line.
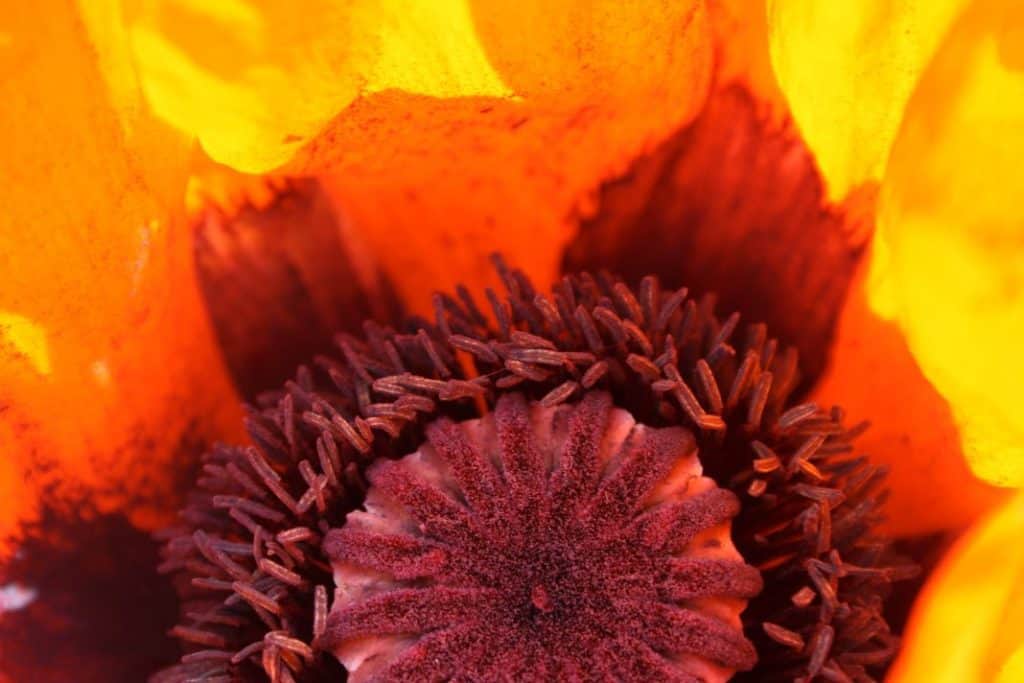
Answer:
[(541, 543)]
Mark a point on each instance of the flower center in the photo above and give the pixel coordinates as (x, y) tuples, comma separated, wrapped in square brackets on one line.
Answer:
[(541, 543)]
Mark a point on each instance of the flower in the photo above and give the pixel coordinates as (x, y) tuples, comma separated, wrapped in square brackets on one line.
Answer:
[(112, 372)]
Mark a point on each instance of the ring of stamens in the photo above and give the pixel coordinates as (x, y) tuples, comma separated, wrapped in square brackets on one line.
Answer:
[(249, 552)]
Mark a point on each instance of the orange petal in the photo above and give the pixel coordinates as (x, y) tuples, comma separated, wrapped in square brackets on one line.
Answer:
[(873, 375), (436, 184), (107, 367), (541, 102), (968, 625), (847, 69), (951, 225)]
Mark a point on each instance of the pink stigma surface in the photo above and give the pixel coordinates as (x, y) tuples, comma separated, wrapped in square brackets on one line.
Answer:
[(539, 544)]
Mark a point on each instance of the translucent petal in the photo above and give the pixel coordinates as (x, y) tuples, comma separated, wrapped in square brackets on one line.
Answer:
[(256, 79), (106, 364), (847, 69), (968, 624), (435, 184), (952, 225), (874, 376)]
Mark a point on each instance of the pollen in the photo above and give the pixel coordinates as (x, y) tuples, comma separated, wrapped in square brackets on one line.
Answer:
[(542, 543)]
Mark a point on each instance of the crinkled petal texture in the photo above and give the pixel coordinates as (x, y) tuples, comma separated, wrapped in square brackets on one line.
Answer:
[(106, 363), (444, 128), (968, 626), (952, 226), (848, 69)]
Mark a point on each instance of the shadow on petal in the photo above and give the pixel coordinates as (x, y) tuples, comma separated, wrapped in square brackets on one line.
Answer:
[(280, 278), (731, 204), (93, 608)]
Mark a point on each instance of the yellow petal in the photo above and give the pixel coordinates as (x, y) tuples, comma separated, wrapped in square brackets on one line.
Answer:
[(847, 69), (106, 364), (951, 224), (257, 79), (968, 624)]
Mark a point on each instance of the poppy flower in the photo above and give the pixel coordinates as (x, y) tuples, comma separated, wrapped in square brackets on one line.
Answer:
[(199, 197)]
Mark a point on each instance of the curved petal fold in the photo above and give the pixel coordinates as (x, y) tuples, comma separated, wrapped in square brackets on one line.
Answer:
[(444, 128), (257, 79), (848, 69), (968, 626), (107, 367), (874, 376), (951, 235)]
